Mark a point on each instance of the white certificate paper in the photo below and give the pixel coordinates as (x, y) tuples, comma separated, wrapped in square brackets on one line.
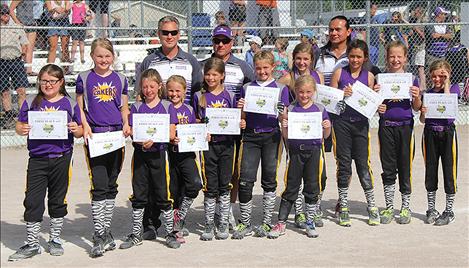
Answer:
[(153, 127), (304, 126), (103, 143), (192, 137), (440, 105), (48, 125), (329, 97), (261, 100), (364, 100), (395, 85), (223, 121)]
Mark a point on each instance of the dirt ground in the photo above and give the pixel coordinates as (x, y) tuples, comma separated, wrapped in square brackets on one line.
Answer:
[(416, 244)]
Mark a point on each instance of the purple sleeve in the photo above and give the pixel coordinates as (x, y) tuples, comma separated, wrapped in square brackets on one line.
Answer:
[(235, 103), (325, 115), (79, 88), (132, 111), (416, 82), (192, 117), (195, 105), (23, 114), (455, 89), (285, 96), (125, 89), (77, 115), (173, 118), (243, 91)]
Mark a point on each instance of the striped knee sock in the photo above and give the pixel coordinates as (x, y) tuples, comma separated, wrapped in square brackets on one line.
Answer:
[(246, 210), (311, 211), (55, 227), (449, 202), (186, 204), (343, 197), (268, 202), (32, 232), (209, 209), (431, 197), (370, 198), (137, 218), (97, 211), (168, 220), (299, 201), (389, 195), (108, 212), (224, 208), (405, 201)]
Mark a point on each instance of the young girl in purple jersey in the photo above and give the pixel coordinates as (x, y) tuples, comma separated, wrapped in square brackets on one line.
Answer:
[(396, 138), (150, 167), (440, 140), (351, 136), (306, 160), (218, 161), (49, 165), (102, 97), (184, 167)]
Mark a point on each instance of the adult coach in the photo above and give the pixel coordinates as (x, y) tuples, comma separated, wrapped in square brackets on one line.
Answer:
[(170, 59)]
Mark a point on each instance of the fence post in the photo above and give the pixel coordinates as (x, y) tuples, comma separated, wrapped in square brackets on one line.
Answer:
[(189, 27), (368, 19), (141, 14), (293, 14)]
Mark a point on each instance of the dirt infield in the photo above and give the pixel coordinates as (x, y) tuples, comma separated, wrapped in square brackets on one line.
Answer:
[(416, 244)]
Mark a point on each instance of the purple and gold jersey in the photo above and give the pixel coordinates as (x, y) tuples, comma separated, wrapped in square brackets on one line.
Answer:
[(399, 110), (442, 122), (50, 148), (316, 107), (225, 99), (263, 121), (102, 97), (346, 79), (185, 114)]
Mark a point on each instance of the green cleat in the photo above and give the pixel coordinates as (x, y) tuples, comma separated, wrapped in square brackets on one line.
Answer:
[(405, 216), (242, 230), (344, 218), (300, 221), (262, 231), (386, 216), (373, 216)]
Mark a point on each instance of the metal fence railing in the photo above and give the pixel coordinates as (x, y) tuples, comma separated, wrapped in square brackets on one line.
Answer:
[(131, 25)]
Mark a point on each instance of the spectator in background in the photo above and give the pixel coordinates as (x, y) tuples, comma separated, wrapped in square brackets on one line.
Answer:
[(41, 35), (116, 23), (237, 17), (374, 35), (59, 11), (81, 15), (417, 45), (101, 7), (309, 36), (255, 44), (22, 13), (265, 18), (437, 37), (281, 59), (458, 57), (13, 47), (220, 18), (394, 33)]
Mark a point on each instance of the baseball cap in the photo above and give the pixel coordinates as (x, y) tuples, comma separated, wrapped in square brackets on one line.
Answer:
[(4, 10), (224, 30), (440, 10), (308, 33), (254, 39)]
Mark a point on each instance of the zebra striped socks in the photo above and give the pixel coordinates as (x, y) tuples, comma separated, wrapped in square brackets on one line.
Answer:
[(168, 220), (389, 195), (311, 211), (32, 232), (109, 210), (405, 201), (370, 198), (209, 209), (186, 204), (449, 202), (55, 227), (343, 197), (268, 203), (137, 217), (431, 197), (97, 211), (246, 210), (224, 208), (299, 201)]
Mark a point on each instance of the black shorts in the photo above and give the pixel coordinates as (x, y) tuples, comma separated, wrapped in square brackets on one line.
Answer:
[(14, 70), (78, 34), (237, 13), (102, 4)]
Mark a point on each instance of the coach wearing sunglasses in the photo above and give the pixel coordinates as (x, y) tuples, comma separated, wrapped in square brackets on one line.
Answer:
[(170, 59)]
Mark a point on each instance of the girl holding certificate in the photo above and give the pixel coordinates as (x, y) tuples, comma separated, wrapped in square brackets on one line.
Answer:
[(102, 97), (260, 142), (439, 140), (306, 160), (218, 161), (184, 168), (350, 135), (396, 138), (49, 165), (150, 167)]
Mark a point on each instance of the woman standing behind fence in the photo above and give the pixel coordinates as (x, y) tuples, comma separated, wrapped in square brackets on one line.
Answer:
[(81, 14), (59, 11)]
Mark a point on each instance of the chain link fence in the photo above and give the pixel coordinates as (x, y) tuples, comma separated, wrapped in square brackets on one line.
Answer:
[(65, 38)]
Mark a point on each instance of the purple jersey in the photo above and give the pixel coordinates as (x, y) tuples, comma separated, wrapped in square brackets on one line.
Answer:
[(441, 122), (184, 114), (163, 107), (102, 97), (313, 74), (264, 121), (225, 99), (399, 110), (316, 107), (346, 79), (50, 148)]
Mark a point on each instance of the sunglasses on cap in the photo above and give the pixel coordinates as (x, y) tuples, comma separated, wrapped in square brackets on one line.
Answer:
[(166, 33), (223, 40)]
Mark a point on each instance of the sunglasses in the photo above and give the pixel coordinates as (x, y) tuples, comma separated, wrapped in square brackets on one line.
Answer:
[(51, 82), (223, 40), (166, 33)]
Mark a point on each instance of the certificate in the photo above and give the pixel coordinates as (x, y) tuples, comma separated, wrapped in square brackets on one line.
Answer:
[(48, 125), (153, 127), (395, 85), (441, 106), (364, 100), (224, 121), (304, 126), (103, 143), (329, 97), (261, 100), (192, 137)]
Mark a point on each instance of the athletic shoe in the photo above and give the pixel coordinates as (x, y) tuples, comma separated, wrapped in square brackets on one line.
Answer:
[(109, 243), (149, 233), (277, 230), (130, 241), (300, 221), (180, 237), (386, 216), (222, 232), (262, 230), (317, 219), (179, 224), (446, 218), (432, 215), (171, 241), (25, 252), (405, 216), (242, 231), (311, 230), (55, 247), (98, 246), (373, 216), (208, 233), (344, 218)]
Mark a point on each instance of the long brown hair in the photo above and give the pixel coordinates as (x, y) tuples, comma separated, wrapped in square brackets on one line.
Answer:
[(300, 48), (52, 70), (218, 66)]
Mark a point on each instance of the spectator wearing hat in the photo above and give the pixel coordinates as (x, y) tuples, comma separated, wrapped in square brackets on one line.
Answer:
[(13, 47), (255, 44), (309, 36), (417, 45), (437, 37)]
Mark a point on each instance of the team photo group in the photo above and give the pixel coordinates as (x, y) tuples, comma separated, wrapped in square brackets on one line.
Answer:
[(208, 127)]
